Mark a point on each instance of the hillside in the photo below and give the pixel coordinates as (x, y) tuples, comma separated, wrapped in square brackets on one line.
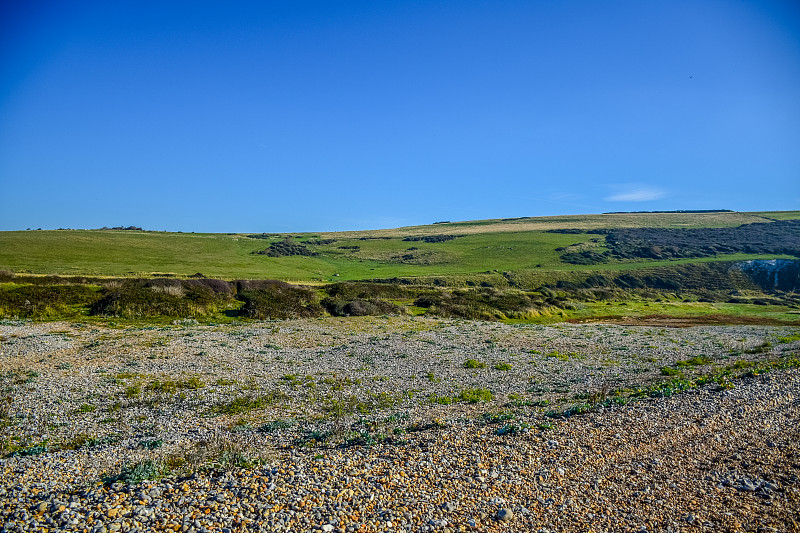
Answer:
[(533, 244)]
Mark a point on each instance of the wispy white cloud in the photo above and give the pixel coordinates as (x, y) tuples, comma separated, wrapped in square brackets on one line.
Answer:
[(636, 193), (564, 197), (569, 199)]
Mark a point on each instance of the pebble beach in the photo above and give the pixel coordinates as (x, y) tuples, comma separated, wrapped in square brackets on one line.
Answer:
[(372, 424)]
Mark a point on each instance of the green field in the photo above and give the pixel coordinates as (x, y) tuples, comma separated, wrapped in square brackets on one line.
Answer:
[(502, 245)]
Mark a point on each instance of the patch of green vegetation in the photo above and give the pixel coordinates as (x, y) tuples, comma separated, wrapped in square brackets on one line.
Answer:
[(351, 404), (789, 338), (83, 440), (151, 444), (497, 418), (503, 366), (761, 348), (513, 429), (135, 473), (169, 385), (474, 363), (475, 395), (699, 360), (558, 355), (29, 450), (275, 425), (245, 404)]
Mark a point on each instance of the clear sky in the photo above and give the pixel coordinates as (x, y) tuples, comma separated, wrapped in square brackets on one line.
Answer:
[(334, 115)]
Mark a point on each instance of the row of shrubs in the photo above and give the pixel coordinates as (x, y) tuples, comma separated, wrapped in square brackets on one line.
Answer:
[(32, 297), (260, 299)]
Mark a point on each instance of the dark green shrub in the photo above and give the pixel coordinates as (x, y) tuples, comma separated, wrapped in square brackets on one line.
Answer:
[(373, 307), (349, 290), (280, 300), (136, 301), (286, 247), (585, 257), (484, 303), (46, 301)]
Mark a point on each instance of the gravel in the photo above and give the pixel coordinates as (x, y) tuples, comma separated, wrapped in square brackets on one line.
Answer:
[(346, 437)]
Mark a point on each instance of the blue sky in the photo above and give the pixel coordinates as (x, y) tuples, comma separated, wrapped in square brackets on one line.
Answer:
[(312, 116)]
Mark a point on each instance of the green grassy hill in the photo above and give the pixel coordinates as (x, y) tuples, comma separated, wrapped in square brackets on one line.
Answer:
[(502, 245)]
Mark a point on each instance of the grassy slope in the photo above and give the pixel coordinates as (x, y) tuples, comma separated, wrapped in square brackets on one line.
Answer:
[(503, 245)]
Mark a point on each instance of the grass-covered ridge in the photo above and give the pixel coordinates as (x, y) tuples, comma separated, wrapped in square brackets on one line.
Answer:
[(443, 249), (663, 265)]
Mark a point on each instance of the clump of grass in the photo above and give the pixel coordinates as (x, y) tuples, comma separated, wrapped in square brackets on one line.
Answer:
[(475, 395), (31, 450), (135, 473), (274, 425), (339, 407), (502, 366), (667, 371), (84, 440), (151, 444), (761, 348), (169, 385), (467, 395), (86, 408), (497, 418), (245, 404), (474, 363), (513, 429), (699, 360), (441, 400)]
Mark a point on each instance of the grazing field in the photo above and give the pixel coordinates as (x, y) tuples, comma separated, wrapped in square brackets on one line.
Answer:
[(525, 244), (397, 423)]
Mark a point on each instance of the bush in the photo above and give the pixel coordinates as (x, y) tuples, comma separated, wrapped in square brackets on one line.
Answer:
[(373, 307), (484, 303), (135, 301), (280, 300), (431, 238), (46, 301), (473, 363), (286, 247)]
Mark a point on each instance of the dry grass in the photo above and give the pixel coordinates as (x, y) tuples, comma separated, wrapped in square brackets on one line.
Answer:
[(622, 220)]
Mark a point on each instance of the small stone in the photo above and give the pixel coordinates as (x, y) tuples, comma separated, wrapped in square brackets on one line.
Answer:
[(505, 514), (450, 506), (327, 528)]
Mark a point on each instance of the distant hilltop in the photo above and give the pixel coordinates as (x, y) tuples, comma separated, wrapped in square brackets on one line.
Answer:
[(675, 211)]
